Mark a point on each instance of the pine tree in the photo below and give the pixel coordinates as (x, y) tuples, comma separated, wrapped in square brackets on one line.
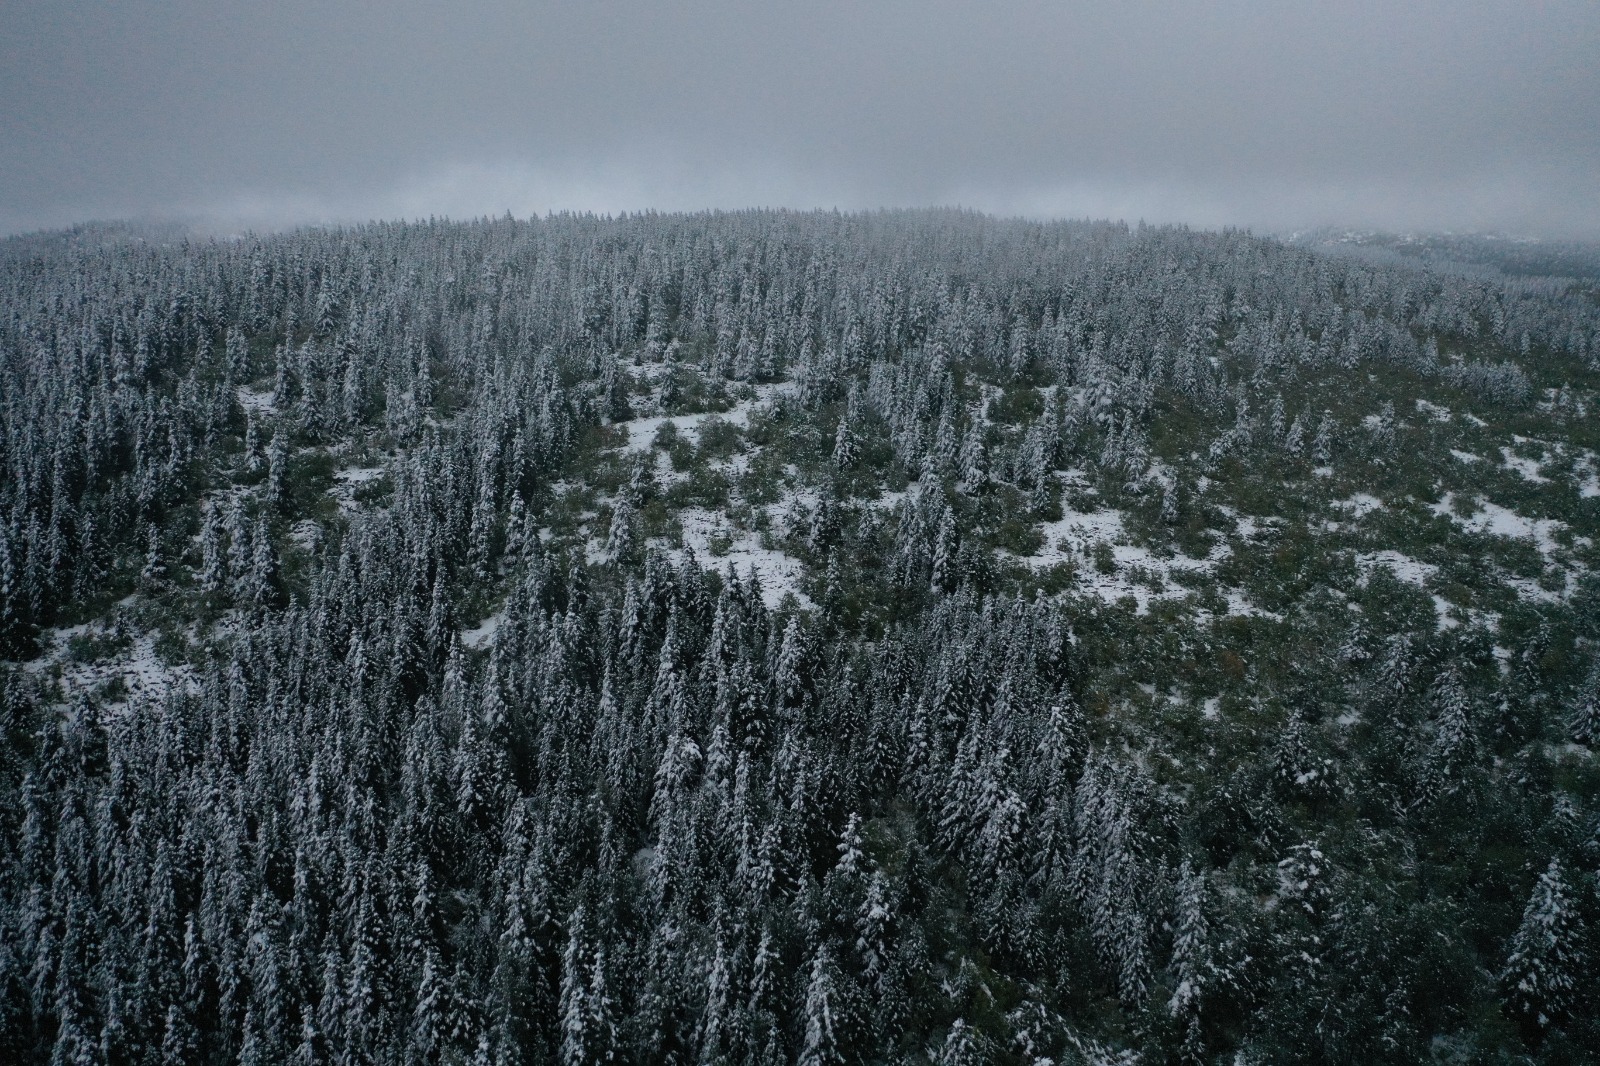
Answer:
[(714, 1020), (787, 682), (213, 560), (1396, 667), (428, 1016), (154, 571), (263, 566), (238, 355), (241, 553), (1277, 420), (576, 1039), (820, 1044), (1322, 444), (851, 858), (1191, 960), (620, 538), (1296, 769), (945, 553), (873, 921), (846, 447), (1544, 960), (961, 1047), (277, 469), (1294, 441), (1584, 723), (972, 460), (1382, 427), (1454, 744)]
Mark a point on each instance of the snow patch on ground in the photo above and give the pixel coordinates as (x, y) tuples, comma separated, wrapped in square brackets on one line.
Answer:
[(779, 572), (1587, 470), (1402, 566), (348, 481), (1528, 468), (1359, 504), (1500, 521), (1434, 411), (256, 402), (1503, 522), (1466, 457), (1413, 572), (306, 533), (140, 669), (889, 501), (735, 465), (1075, 533), (1136, 572), (483, 634), (642, 431)]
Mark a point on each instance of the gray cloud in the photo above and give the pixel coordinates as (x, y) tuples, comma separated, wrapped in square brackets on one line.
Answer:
[(1465, 115)]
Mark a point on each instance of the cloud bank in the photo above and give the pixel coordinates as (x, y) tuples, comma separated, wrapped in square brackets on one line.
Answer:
[(1465, 115)]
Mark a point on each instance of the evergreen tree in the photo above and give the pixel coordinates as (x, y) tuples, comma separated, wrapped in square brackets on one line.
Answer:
[(820, 1043), (1192, 968), (1544, 964), (1584, 724)]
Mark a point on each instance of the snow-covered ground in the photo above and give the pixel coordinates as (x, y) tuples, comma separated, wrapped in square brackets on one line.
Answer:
[(642, 431), (143, 674), (780, 573), (1413, 572), (357, 475), (1500, 521), (256, 402), (1402, 566), (1076, 535), (348, 481), (1503, 522), (1359, 504), (1528, 468), (484, 632), (1586, 469)]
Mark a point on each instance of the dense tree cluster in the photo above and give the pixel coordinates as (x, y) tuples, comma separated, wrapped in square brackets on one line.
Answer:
[(658, 814)]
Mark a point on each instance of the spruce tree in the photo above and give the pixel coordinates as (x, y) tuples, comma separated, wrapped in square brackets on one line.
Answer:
[(1544, 966)]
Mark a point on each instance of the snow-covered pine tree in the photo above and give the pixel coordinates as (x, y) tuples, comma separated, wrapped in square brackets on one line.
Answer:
[(819, 1045), (1584, 722), (1544, 965)]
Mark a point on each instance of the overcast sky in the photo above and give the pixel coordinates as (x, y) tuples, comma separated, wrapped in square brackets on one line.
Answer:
[(1464, 115)]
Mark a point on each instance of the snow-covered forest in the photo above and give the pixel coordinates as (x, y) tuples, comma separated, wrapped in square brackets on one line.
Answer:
[(778, 637)]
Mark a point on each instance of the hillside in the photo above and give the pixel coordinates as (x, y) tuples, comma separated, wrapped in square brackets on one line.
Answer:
[(767, 637)]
